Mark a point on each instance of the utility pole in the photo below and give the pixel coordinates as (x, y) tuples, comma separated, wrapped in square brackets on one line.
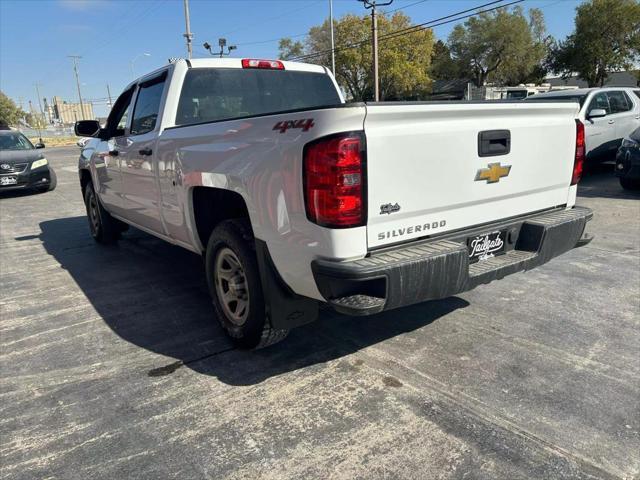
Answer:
[(333, 47), (373, 4), (39, 100), (75, 59), (188, 35), (109, 95)]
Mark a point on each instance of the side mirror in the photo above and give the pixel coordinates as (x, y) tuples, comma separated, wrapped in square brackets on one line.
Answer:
[(86, 128), (597, 113), (39, 145)]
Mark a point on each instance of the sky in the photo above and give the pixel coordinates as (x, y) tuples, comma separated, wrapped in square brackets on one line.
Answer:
[(37, 35)]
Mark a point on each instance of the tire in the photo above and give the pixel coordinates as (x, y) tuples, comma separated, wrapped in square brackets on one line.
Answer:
[(235, 286), (103, 227), (629, 183), (53, 182)]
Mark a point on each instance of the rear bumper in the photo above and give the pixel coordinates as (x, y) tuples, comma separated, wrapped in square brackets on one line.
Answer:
[(439, 268)]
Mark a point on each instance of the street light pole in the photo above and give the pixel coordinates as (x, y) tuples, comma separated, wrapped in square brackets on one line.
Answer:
[(373, 4), (188, 35), (333, 47), (75, 59)]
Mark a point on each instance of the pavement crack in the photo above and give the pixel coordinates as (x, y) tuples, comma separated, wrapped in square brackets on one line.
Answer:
[(172, 367)]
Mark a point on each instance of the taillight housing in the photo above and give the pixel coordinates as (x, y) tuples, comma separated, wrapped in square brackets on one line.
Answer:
[(264, 64), (578, 162), (334, 180)]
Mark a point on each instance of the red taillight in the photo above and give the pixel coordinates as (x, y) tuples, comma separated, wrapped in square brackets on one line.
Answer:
[(578, 161), (268, 64), (334, 180)]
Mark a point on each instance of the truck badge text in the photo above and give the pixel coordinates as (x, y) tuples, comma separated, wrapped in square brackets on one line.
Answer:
[(305, 124), (425, 228)]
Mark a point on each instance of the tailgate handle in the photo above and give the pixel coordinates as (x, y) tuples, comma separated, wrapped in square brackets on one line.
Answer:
[(494, 142)]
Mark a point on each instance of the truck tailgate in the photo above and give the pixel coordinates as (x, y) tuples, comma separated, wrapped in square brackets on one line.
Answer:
[(426, 175)]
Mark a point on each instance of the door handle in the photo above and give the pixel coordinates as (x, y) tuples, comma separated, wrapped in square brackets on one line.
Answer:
[(611, 122), (145, 151), (113, 153)]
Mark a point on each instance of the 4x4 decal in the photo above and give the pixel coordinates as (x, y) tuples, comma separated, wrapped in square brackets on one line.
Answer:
[(305, 124)]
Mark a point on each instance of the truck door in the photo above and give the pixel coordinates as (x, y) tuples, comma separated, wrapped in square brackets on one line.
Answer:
[(141, 193), (107, 157)]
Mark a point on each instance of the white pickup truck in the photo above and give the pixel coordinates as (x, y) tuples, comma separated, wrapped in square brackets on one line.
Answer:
[(296, 198)]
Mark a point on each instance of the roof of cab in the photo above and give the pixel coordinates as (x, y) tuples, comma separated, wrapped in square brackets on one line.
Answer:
[(237, 63), (576, 92)]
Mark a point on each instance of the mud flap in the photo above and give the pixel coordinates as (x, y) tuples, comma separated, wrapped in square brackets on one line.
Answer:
[(285, 309)]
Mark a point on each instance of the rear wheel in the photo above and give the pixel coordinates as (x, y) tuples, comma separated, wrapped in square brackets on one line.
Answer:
[(103, 227), (629, 183), (235, 286)]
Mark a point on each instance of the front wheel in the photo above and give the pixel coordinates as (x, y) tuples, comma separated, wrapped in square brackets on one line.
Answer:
[(234, 283), (103, 227)]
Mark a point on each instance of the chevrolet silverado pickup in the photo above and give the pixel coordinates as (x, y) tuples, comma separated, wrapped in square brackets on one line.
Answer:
[(296, 198)]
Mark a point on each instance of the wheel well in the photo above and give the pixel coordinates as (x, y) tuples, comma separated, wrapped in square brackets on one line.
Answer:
[(85, 179), (214, 205)]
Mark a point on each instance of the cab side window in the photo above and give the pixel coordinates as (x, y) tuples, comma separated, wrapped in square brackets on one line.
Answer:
[(145, 112), (600, 101), (619, 102), (117, 121)]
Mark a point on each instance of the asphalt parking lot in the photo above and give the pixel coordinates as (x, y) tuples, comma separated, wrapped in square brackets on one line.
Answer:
[(113, 366)]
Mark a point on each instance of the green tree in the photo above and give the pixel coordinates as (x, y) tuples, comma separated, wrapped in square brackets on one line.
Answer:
[(403, 60), (10, 114), (443, 66), (501, 46), (289, 49), (606, 39)]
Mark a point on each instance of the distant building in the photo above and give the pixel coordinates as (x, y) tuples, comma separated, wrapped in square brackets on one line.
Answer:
[(68, 113), (617, 79)]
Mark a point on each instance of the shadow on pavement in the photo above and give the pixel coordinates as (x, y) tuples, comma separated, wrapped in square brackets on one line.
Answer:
[(154, 295), (599, 181)]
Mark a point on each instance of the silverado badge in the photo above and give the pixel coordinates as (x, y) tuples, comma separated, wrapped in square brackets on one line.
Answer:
[(493, 173)]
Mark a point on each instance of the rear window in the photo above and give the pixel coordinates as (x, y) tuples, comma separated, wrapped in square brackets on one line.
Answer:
[(212, 94), (557, 98)]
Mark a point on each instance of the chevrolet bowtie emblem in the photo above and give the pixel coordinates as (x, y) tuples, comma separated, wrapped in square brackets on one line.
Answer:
[(493, 173)]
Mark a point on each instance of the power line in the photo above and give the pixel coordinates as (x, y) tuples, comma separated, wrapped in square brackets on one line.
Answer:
[(405, 6), (407, 30), (262, 21), (271, 40), (420, 25), (416, 28)]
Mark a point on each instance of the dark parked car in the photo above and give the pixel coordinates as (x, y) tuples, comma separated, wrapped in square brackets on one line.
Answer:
[(628, 161), (23, 165)]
